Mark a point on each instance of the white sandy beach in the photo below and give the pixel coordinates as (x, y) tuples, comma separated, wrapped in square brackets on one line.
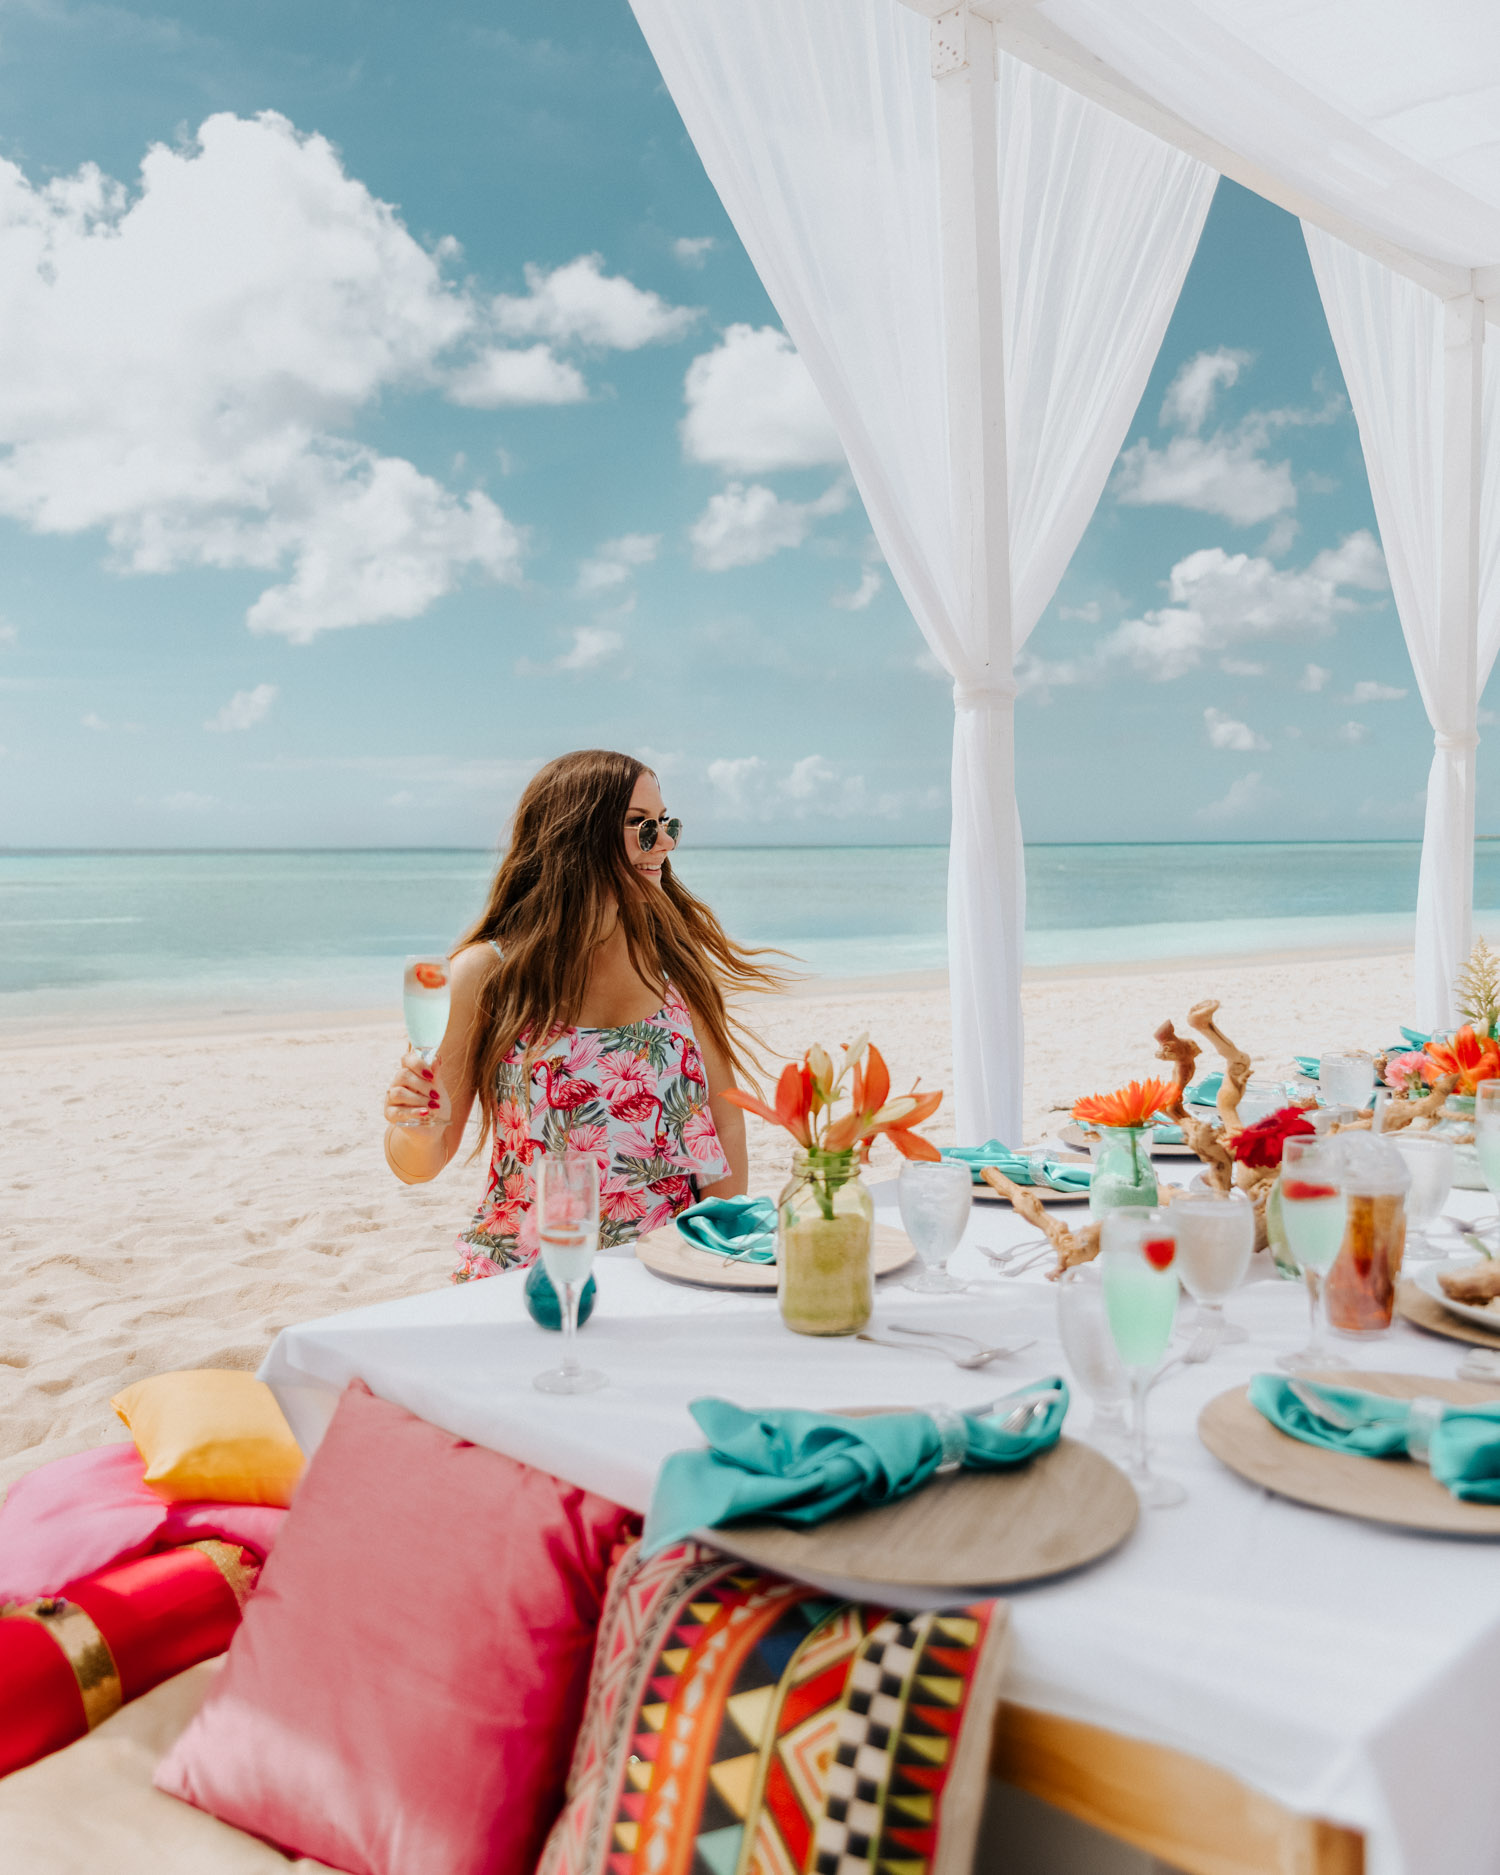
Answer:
[(173, 1202)]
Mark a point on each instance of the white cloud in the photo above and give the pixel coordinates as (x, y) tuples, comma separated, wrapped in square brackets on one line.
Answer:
[(614, 561), (1190, 395), (592, 646), (1225, 733), (1314, 678), (8, 633), (1355, 561), (1246, 796), (184, 801), (1353, 732), (1219, 600), (1281, 535), (1367, 690), (258, 298), (693, 249), (403, 797), (580, 304), (813, 786), (870, 583), (1218, 475), (93, 721), (499, 377), (743, 525), (733, 778), (1089, 614), (244, 709), (1241, 667), (751, 407)]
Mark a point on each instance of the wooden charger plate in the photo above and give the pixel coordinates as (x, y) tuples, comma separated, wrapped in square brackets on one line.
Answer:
[(1419, 1308), (1073, 1135), (666, 1252), (968, 1530), (1379, 1490)]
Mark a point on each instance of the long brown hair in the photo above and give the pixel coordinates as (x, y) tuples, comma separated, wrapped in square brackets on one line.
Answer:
[(563, 885)]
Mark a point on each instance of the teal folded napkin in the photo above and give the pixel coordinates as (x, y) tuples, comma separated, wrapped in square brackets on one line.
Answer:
[(1308, 1065), (1017, 1166), (742, 1228), (800, 1468), (1414, 1037), (1462, 1446), (1205, 1092)]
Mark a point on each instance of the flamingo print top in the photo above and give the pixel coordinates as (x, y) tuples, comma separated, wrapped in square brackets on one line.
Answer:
[(635, 1097)]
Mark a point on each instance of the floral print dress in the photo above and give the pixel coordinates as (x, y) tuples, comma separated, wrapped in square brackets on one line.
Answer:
[(635, 1097)]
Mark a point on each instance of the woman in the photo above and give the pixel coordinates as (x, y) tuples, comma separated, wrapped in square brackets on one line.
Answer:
[(588, 1015)]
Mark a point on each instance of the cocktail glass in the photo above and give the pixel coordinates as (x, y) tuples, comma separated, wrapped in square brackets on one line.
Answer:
[(1430, 1162), (935, 1197), (1314, 1212), (567, 1221), (1083, 1329), (1215, 1241), (1138, 1269), (425, 998)]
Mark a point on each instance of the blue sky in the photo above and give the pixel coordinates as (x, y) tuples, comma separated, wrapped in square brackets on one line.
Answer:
[(356, 458)]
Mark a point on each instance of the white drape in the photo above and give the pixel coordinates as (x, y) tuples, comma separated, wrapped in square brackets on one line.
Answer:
[(817, 126), (1389, 335)]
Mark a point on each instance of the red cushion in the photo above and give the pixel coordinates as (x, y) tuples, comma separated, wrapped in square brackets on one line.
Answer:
[(405, 1690), (157, 1615)]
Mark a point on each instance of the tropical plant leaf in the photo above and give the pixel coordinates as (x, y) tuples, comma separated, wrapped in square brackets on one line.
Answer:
[(1477, 988), (647, 1171), (644, 1040), (680, 1101)]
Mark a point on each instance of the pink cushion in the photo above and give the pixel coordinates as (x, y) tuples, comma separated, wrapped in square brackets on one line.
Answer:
[(78, 1515), (404, 1692)]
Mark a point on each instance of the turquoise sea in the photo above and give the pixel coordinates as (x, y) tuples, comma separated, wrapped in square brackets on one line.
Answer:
[(97, 937)]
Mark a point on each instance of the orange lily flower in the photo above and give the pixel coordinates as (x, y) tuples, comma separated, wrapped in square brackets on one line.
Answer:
[(1135, 1105), (1473, 1058), (808, 1088)]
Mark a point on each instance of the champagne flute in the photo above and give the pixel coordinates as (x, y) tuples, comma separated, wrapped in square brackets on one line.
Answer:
[(1138, 1267), (1215, 1240), (1088, 1345), (1487, 1134), (1314, 1213), (567, 1219), (424, 998), (935, 1197)]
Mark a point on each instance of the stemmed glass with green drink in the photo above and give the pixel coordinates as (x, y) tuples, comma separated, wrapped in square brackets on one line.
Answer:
[(425, 999), (1138, 1265), (567, 1223), (1314, 1213)]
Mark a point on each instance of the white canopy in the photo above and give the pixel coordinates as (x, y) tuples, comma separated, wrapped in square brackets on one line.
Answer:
[(975, 226)]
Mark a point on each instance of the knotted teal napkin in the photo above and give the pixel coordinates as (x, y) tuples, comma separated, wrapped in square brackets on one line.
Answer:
[(800, 1468), (742, 1228), (1308, 1065), (1461, 1444), (1205, 1092), (1017, 1166), (1414, 1037)]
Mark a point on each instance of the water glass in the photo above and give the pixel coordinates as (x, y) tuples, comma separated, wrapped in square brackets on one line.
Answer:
[(1487, 1133), (1088, 1345), (1138, 1269), (567, 1220), (1430, 1162), (935, 1197), (1314, 1213), (1346, 1078), (424, 1001), (1215, 1241)]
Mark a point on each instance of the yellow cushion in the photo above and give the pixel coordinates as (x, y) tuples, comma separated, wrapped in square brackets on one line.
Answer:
[(212, 1433)]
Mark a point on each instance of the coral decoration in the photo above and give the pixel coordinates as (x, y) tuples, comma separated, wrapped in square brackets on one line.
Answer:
[(1261, 1145), (430, 976), (1135, 1105), (1473, 1058), (809, 1088)]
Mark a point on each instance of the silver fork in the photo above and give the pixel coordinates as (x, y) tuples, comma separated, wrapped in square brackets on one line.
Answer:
[(953, 1334), (1017, 1261), (1339, 1417), (1198, 1349), (981, 1356)]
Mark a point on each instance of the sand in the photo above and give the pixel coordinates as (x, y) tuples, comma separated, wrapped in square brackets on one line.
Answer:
[(174, 1201)]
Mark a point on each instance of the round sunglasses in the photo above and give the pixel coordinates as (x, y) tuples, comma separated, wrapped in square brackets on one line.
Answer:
[(648, 831)]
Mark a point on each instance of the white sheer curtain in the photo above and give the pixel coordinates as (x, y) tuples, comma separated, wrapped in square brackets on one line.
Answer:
[(1388, 333), (817, 125)]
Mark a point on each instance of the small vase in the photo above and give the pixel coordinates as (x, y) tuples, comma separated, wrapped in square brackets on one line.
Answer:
[(825, 1246), (542, 1303), (1123, 1172)]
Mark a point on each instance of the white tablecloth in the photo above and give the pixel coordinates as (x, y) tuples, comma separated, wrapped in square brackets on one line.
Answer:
[(1349, 1671)]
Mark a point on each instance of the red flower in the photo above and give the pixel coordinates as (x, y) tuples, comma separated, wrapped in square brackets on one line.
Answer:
[(1261, 1144)]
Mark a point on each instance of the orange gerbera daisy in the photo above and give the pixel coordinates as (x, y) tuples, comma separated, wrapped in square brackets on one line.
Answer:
[(1473, 1058), (1135, 1105)]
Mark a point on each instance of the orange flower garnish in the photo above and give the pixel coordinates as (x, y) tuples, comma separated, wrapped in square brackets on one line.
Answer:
[(1473, 1058), (1136, 1105)]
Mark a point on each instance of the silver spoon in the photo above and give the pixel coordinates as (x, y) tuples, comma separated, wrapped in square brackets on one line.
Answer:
[(981, 1357)]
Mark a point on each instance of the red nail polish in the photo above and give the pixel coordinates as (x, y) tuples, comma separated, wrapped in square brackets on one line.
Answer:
[(432, 1100), (427, 1074)]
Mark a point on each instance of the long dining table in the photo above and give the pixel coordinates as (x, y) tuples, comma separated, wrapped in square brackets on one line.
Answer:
[(1302, 1691)]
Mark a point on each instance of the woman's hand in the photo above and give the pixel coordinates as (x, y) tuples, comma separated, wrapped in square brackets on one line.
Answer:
[(416, 1093)]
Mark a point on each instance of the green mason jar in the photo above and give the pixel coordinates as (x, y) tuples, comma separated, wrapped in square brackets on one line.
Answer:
[(825, 1246)]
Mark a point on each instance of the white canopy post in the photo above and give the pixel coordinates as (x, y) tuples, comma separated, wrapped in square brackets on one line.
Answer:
[(986, 861), (1445, 890)]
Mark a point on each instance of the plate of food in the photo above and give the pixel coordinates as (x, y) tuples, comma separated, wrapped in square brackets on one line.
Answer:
[(1465, 1286)]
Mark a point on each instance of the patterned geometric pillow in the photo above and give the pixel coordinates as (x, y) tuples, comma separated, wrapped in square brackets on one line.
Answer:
[(736, 1720)]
